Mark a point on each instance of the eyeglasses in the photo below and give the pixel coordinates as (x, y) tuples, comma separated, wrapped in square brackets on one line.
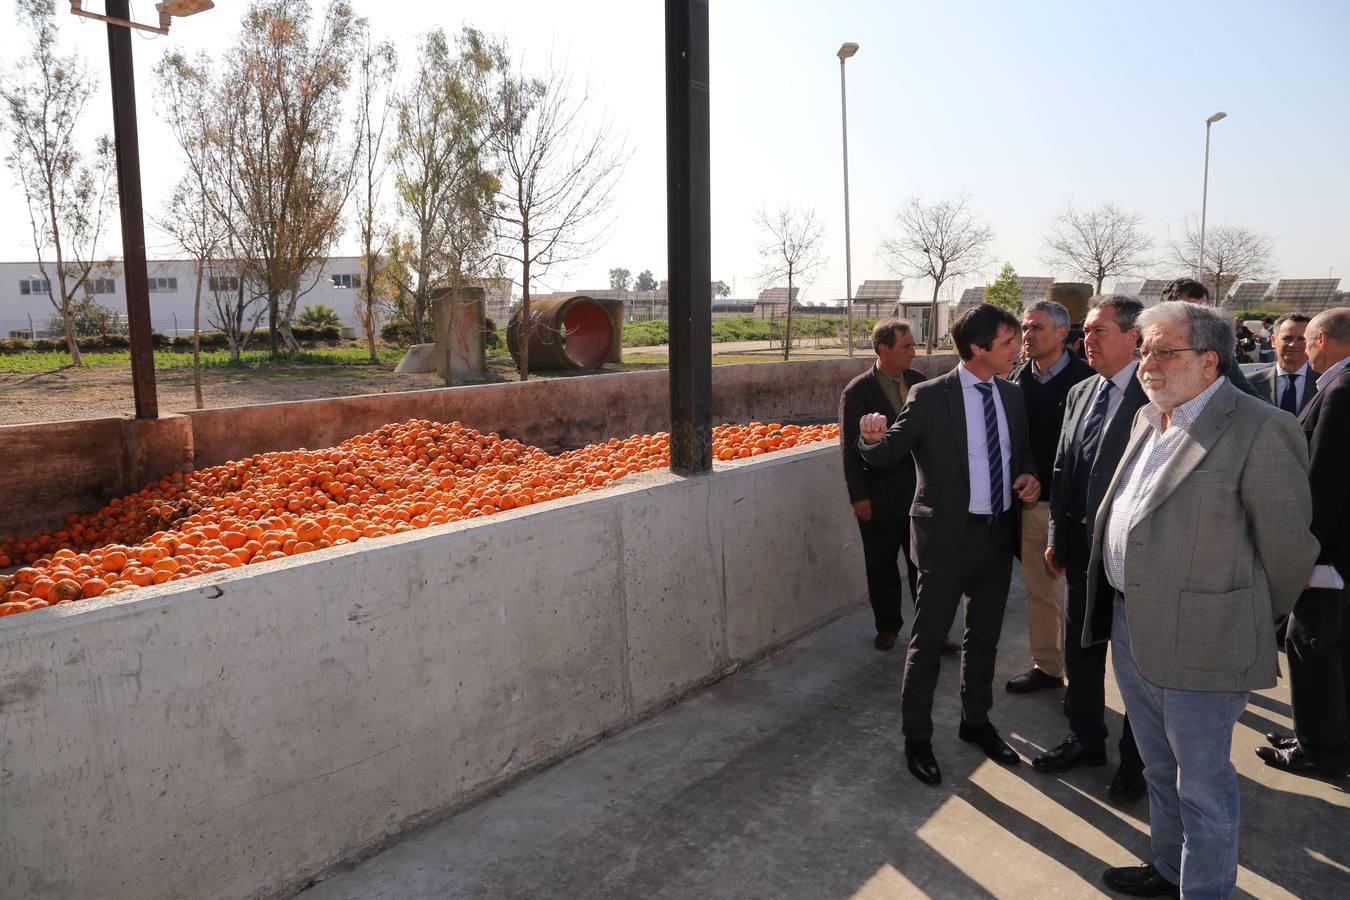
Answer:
[(1164, 354)]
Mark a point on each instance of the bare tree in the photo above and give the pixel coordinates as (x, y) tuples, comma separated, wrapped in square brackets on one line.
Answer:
[(1106, 242), (67, 199), (444, 175), (376, 66), (791, 251), (1232, 253), (558, 180), (940, 241), (189, 220)]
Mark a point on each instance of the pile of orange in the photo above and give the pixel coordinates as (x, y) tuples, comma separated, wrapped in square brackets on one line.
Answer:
[(273, 505)]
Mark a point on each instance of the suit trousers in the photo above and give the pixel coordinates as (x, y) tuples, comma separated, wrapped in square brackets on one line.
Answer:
[(884, 538), (1045, 592), (1085, 697), (987, 550), (1318, 646), (1186, 741)]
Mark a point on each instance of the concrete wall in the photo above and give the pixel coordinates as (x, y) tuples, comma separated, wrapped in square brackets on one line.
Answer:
[(236, 734), (50, 471)]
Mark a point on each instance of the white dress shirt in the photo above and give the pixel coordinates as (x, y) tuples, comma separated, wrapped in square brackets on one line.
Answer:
[(1140, 477), (978, 454), (1325, 378), (1301, 378), (1119, 382)]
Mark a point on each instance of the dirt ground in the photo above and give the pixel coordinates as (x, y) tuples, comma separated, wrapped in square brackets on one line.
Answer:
[(106, 391)]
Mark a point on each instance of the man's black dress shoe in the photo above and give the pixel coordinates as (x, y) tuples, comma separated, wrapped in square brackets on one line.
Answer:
[(1295, 760), (922, 764), (1140, 881), (885, 640), (987, 737), (1068, 755), (1282, 741), (1033, 680), (1128, 784)]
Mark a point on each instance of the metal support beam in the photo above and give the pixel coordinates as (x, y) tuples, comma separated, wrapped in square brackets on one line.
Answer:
[(133, 219), (689, 235)]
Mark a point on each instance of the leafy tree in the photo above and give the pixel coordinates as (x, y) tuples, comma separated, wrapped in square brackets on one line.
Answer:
[(319, 316), (620, 279), (89, 319), (1005, 291), (68, 200), (376, 66), (445, 176), (721, 289), (645, 281)]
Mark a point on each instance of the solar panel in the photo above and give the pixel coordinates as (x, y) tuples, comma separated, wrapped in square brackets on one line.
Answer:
[(1033, 287), (873, 290), (971, 296), (1305, 295), (1248, 294)]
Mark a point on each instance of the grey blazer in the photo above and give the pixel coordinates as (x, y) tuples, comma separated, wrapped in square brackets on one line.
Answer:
[(933, 426), (1220, 549), (1267, 383)]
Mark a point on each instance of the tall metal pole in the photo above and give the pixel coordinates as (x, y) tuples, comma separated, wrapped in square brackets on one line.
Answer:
[(848, 246), (133, 220), (689, 235), (1204, 202)]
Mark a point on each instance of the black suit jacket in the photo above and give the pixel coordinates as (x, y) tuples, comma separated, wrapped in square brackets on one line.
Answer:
[(932, 426), (1109, 451), (890, 489), (1267, 384), (1326, 424)]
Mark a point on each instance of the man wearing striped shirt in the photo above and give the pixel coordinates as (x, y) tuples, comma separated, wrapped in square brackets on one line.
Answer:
[(1202, 541)]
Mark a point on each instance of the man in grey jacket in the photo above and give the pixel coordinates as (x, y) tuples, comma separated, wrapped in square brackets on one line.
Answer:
[(1202, 541)]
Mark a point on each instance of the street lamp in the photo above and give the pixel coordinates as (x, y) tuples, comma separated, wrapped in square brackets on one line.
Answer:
[(1204, 201), (167, 10), (845, 51)]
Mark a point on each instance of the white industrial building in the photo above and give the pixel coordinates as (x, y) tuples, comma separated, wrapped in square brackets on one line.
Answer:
[(25, 305)]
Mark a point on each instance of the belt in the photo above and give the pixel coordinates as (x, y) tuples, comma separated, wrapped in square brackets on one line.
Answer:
[(987, 519)]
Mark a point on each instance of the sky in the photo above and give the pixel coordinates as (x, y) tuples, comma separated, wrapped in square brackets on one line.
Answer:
[(1025, 107)]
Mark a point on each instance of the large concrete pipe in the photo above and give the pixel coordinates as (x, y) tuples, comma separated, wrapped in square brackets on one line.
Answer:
[(573, 333), (1074, 295)]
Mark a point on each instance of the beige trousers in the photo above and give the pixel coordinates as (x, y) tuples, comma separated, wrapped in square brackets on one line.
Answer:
[(1045, 593)]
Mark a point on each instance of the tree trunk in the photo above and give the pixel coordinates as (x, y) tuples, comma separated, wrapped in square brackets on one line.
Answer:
[(526, 319), (370, 307), (787, 330), (933, 318), (273, 303), (197, 340), (69, 321)]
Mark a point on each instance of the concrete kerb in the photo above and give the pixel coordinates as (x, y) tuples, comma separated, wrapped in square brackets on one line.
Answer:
[(386, 722)]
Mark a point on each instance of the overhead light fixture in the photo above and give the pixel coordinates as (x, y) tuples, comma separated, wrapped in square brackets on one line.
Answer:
[(1216, 117), (167, 11), (847, 50)]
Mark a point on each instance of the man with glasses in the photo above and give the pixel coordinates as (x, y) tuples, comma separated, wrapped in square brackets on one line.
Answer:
[(1291, 382), (1202, 540), (1188, 290)]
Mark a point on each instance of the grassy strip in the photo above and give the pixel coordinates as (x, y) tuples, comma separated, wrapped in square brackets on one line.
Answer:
[(32, 363), (745, 328)]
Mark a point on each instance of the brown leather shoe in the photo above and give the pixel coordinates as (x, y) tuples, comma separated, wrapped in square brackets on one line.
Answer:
[(1033, 680), (885, 640)]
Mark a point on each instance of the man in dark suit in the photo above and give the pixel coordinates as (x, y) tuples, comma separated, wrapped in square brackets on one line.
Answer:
[(1188, 290), (969, 437), (1291, 382), (1097, 424), (1045, 379), (881, 497), (1318, 639)]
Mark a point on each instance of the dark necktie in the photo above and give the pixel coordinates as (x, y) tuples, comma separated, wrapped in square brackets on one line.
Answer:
[(1087, 451), (1289, 399), (993, 448)]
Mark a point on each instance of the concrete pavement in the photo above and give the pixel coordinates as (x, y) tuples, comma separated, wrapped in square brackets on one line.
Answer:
[(788, 780)]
